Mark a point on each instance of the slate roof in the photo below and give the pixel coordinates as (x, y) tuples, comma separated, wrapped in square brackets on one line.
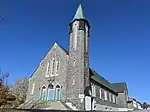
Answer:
[(79, 13), (101, 80), (115, 87), (119, 87)]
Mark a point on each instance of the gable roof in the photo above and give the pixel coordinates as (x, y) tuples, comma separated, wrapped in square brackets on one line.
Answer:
[(47, 53), (101, 80), (120, 87), (66, 51)]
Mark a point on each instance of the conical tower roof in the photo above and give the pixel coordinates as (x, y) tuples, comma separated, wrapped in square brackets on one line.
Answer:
[(79, 13)]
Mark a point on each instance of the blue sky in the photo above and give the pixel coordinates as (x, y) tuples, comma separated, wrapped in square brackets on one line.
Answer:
[(119, 38)]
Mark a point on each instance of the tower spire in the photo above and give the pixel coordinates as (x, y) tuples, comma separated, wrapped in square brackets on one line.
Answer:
[(78, 62), (79, 13)]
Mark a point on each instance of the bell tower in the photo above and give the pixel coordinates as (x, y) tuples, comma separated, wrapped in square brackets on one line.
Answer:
[(78, 64)]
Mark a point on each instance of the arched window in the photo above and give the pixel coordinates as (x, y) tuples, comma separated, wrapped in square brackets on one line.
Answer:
[(74, 62), (73, 80), (100, 93), (113, 98), (105, 95), (53, 66), (57, 66), (57, 96), (48, 70), (43, 93), (93, 90), (50, 94), (33, 87), (75, 28), (110, 97), (86, 39)]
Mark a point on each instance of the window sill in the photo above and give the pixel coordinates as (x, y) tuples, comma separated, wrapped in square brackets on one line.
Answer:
[(94, 95), (47, 76), (56, 75)]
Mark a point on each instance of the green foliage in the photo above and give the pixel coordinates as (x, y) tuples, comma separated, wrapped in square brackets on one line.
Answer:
[(19, 90), (14, 96), (145, 105), (6, 98)]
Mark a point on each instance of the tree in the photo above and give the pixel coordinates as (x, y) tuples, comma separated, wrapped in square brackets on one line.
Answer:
[(6, 98), (3, 93), (145, 105), (19, 90)]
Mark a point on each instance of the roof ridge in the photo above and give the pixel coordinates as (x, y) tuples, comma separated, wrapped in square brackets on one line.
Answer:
[(99, 75), (102, 80), (62, 48)]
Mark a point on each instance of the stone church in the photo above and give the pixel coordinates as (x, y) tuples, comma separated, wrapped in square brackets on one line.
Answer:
[(65, 79)]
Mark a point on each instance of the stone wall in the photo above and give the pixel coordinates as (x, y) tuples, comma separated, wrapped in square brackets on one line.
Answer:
[(78, 65), (122, 100), (39, 76)]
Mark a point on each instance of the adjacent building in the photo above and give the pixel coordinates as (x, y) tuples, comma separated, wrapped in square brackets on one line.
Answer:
[(65, 76), (133, 104)]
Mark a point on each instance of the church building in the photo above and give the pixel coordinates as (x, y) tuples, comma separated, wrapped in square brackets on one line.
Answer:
[(65, 79)]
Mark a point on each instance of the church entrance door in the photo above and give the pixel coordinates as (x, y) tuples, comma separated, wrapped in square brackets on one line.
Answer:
[(50, 93), (88, 103)]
